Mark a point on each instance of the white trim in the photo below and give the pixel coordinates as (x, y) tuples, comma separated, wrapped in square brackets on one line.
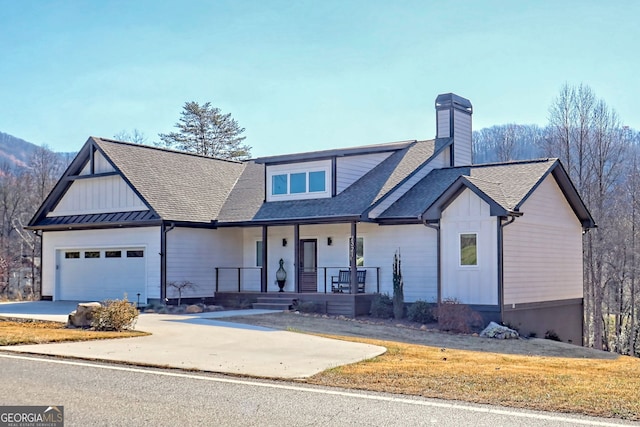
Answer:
[(304, 167)]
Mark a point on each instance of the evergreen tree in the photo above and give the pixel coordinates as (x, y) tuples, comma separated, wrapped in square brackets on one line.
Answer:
[(204, 130)]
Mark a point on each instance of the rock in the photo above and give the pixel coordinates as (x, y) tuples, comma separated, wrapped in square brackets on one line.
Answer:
[(149, 310), (214, 308), (82, 316), (193, 309), (423, 327), (493, 330)]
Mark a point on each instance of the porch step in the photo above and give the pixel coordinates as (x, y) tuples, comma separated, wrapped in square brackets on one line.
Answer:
[(270, 303)]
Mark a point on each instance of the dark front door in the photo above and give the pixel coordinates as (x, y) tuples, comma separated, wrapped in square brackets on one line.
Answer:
[(308, 265)]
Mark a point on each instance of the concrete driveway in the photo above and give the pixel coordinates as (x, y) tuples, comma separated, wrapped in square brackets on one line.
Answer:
[(202, 342)]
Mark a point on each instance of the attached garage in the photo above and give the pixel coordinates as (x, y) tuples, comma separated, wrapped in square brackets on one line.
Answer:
[(101, 273)]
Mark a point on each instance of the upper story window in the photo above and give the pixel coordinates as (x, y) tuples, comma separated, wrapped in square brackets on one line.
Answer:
[(298, 181), (468, 249)]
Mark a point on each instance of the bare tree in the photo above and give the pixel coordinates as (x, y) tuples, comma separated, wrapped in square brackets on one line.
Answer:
[(135, 136)]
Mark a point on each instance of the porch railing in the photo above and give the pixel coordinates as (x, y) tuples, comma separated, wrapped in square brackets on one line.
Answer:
[(248, 279)]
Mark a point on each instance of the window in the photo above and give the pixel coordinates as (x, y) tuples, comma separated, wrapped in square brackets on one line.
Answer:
[(135, 254), (259, 253), (92, 254), (359, 251), (468, 249), (279, 184), (298, 182), (316, 181), (72, 255), (113, 254)]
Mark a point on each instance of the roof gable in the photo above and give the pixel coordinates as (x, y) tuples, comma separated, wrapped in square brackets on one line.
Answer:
[(175, 186)]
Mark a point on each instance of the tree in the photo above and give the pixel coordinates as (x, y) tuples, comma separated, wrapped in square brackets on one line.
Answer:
[(135, 136), (204, 130)]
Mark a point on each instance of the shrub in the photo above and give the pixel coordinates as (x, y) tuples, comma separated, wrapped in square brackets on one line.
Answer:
[(398, 287), (382, 306), (455, 317), (421, 312), (305, 307), (115, 315), (551, 335)]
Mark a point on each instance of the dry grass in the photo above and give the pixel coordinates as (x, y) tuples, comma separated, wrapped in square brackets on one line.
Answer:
[(606, 388), (16, 332)]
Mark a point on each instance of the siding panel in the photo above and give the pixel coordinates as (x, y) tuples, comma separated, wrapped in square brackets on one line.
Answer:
[(193, 255), (352, 168), (543, 249), (462, 138)]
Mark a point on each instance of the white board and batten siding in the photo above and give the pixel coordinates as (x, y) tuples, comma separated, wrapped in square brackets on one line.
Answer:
[(194, 253), (478, 284), (437, 162), (100, 165), (349, 169), (120, 275), (98, 195), (543, 249)]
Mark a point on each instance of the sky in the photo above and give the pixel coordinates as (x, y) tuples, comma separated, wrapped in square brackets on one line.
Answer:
[(304, 75)]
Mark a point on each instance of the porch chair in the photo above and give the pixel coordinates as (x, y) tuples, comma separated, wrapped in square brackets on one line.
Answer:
[(342, 282)]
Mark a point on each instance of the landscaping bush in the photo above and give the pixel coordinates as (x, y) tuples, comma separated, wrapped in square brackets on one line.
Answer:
[(382, 306), (115, 315), (421, 312), (306, 307), (455, 317), (551, 335)]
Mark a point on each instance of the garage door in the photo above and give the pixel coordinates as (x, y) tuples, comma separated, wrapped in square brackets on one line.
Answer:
[(99, 274)]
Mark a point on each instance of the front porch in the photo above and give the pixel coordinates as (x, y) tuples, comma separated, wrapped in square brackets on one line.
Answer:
[(350, 305)]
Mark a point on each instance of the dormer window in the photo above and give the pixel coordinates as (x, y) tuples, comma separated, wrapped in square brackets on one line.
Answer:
[(308, 180)]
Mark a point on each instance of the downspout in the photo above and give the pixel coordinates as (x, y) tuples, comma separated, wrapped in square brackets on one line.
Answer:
[(438, 268), (501, 264), (33, 261), (163, 259)]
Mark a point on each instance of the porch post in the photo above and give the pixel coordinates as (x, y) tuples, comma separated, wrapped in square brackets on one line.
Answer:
[(353, 267), (265, 250), (296, 255)]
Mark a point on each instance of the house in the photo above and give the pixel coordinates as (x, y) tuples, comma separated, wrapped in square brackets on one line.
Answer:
[(505, 238)]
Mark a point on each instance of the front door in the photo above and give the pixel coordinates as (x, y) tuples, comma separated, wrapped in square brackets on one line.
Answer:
[(308, 265)]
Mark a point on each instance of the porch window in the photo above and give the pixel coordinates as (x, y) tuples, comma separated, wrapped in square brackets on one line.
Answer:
[(359, 251), (259, 253), (468, 249)]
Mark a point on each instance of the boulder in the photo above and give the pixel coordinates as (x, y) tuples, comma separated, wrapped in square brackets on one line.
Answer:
[(215, 308), (493, 330), (82, 316), (193, 309)]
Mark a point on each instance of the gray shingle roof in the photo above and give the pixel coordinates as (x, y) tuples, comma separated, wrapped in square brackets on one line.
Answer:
[(178, 186), (245, 203), (505, 183)]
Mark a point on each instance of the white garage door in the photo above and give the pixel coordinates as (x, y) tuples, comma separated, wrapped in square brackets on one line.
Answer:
[(99, 274)]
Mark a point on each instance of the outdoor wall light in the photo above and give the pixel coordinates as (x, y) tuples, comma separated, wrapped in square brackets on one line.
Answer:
[(284, 242), (329, 241)]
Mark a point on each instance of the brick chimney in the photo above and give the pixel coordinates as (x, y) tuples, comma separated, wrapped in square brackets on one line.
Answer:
[(453, 120)]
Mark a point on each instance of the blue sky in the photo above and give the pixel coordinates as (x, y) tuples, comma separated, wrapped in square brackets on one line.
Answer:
[(304, 75)]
